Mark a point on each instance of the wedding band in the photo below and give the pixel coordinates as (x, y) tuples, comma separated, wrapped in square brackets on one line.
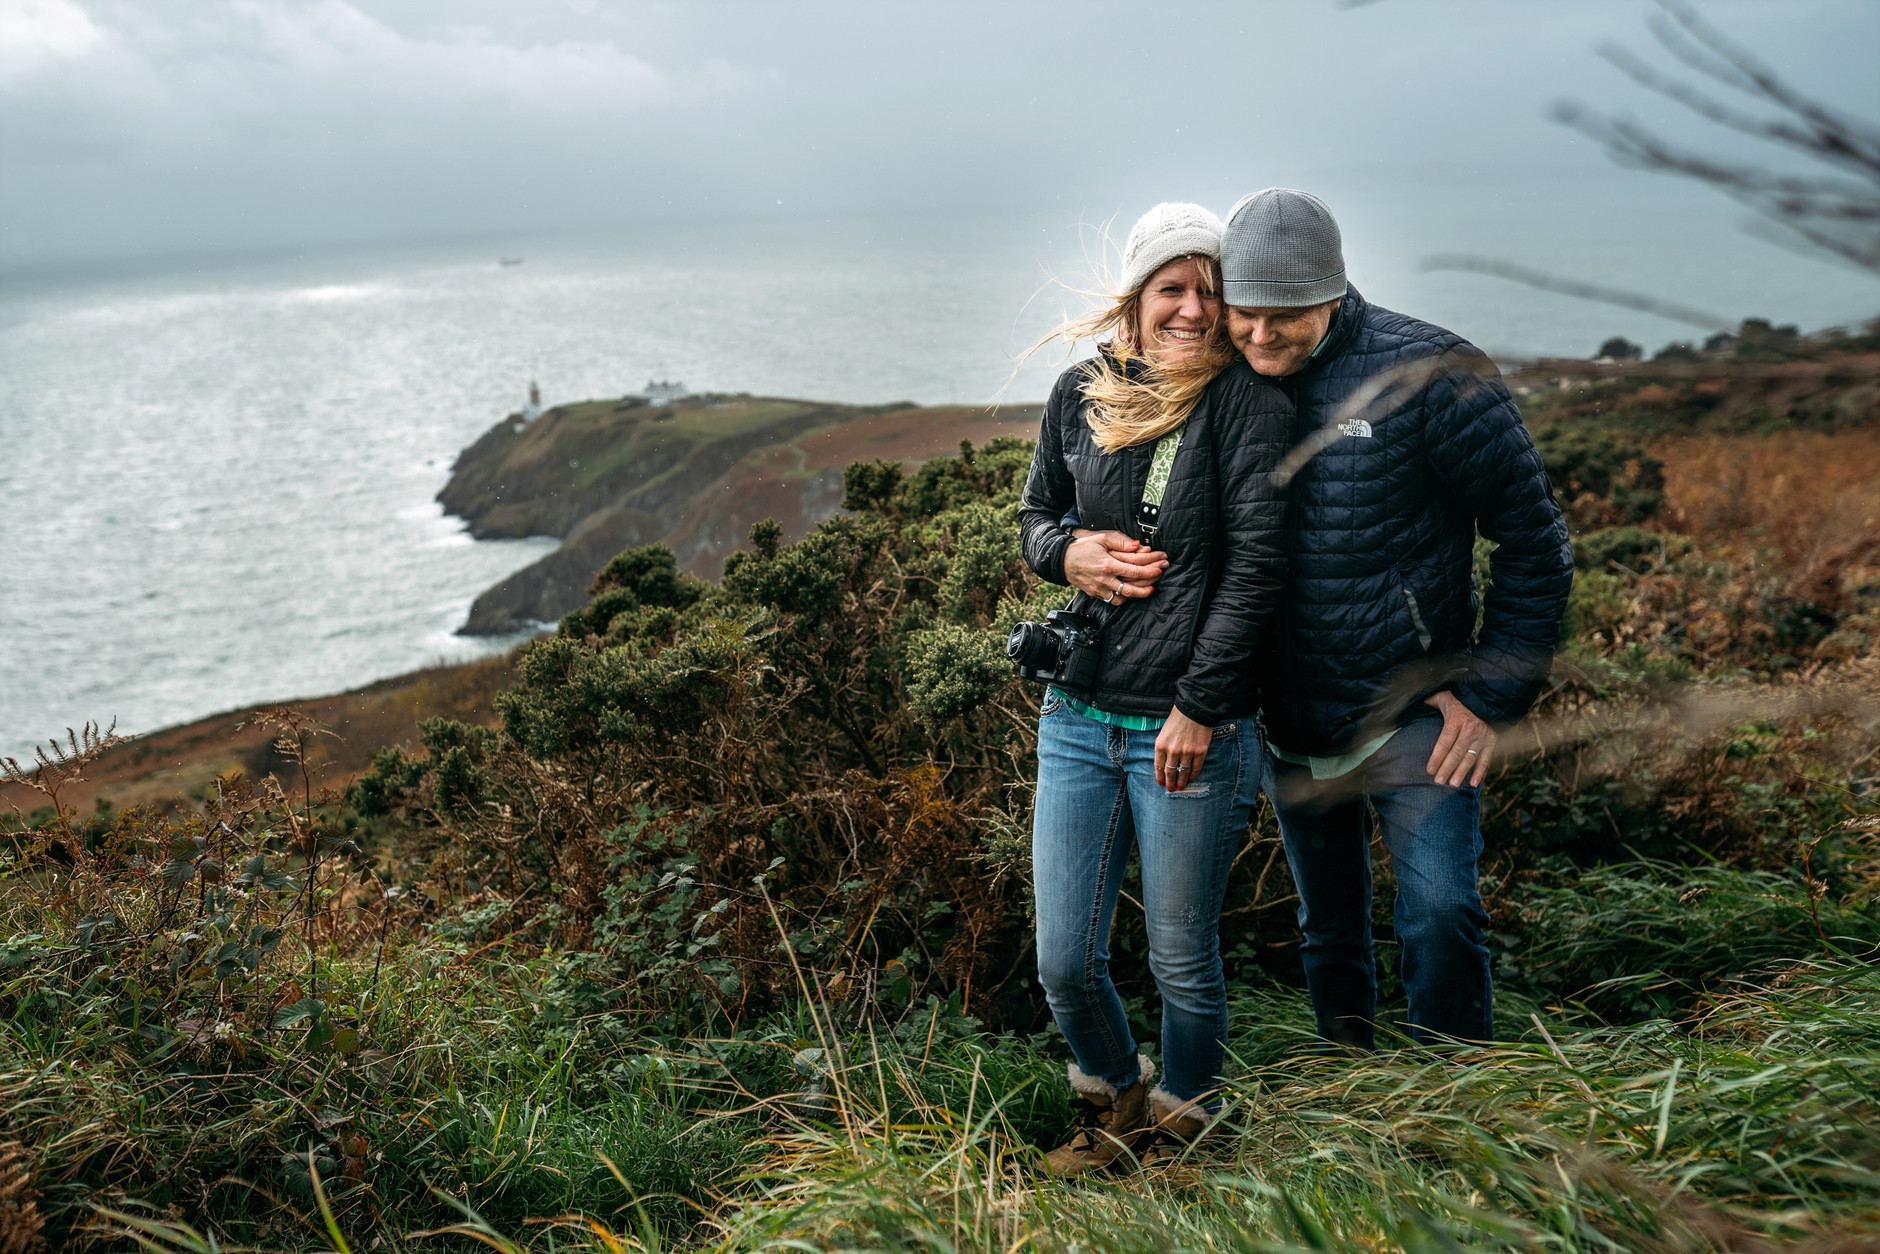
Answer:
[(1470, 752)]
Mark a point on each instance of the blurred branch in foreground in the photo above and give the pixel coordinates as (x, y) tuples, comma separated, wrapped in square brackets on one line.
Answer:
[(1574, 287), (1825, 211)]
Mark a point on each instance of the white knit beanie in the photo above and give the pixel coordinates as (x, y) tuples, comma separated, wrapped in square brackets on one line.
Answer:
[(1168, 231)]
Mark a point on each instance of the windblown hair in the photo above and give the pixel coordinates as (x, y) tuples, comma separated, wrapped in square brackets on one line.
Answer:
[(1128, 411)]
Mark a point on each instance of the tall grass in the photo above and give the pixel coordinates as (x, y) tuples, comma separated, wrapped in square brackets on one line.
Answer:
[(1754, 1117), (1758, 1123)]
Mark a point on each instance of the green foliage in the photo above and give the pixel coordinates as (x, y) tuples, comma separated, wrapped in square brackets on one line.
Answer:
[(579, 702), (953, 671), (1601, 475), (1633, 548), (1757, 340), (1595, 604), (643, 579), (1755, 1127), (869, 485)]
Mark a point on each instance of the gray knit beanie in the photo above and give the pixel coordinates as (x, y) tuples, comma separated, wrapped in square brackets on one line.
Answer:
[(1281, 247), (1168, 231)]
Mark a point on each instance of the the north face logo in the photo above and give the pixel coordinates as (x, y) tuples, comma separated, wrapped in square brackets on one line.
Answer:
[(1356, 427)]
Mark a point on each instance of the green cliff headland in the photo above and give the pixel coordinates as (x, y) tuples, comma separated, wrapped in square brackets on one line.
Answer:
[(608, 475)]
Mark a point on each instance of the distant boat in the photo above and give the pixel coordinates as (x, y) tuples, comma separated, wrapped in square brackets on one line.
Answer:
[(509, 261)]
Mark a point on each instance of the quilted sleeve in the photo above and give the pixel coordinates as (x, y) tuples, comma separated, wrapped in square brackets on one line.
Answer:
[(1252, 428), (1050, 491), (1481, 454)]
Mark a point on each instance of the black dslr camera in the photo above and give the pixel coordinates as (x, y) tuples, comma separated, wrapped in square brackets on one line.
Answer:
[(1064, 649)]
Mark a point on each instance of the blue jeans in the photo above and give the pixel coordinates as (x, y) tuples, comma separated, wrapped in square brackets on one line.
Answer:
[(1434, 836), (1097, 798)]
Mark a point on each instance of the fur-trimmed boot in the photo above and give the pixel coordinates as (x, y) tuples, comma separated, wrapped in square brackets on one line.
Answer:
[(1178, 1124), (1108, 1122)]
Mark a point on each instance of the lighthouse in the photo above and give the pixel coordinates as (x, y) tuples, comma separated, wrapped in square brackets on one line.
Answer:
[(533, 409)]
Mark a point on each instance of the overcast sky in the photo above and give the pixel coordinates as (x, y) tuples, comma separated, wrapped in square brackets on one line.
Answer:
[(148, 126)]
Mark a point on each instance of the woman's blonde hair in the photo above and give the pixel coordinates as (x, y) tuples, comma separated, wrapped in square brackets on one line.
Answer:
[(1127, 411)]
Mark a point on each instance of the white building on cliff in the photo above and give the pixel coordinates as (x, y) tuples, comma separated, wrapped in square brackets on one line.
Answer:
[(664, 392)]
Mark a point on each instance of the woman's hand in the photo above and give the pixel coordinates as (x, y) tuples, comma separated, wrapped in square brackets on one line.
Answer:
[(1108, 565), (1180, 750)]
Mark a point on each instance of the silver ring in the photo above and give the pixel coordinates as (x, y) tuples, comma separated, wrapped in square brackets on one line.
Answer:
[(1180, 767), (1470, 752)]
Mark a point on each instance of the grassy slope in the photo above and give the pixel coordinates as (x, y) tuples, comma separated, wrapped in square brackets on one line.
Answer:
[(1755, 1119)]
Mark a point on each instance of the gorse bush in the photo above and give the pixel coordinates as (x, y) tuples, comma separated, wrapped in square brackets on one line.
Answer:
[(709, 782), (1602, 478)]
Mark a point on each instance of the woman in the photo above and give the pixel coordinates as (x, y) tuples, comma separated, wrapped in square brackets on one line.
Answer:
[(1159, 448)]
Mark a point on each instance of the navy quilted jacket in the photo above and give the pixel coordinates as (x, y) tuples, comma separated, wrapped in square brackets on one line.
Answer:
[(1410, 444)]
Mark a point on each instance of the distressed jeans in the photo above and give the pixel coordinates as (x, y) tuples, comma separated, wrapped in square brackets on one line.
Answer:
[(1434, 836), (1097, 798)]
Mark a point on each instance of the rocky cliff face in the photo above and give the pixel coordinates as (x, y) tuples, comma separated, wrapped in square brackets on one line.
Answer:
[(607, 475)]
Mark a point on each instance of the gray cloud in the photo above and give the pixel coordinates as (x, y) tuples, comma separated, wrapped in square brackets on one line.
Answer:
[(132, 125)]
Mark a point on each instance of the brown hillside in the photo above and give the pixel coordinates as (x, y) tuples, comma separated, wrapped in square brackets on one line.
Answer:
[(1835, 391), (174, 767), (799, 483)]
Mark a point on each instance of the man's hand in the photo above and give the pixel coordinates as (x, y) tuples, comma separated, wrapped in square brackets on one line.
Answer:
[(1180, 750), (1463, 750), (1108, 565)]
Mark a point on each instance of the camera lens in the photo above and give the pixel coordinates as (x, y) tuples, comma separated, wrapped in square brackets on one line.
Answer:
[(1033, 646)]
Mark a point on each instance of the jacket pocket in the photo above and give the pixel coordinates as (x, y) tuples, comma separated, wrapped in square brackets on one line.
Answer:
[(1415, 609), (1416, 618)]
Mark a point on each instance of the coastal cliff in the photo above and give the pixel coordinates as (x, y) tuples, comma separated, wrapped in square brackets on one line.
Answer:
[(694, 475)]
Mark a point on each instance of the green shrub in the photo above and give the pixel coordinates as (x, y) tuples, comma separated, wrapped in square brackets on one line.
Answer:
[(676, 739), (1601, 475)]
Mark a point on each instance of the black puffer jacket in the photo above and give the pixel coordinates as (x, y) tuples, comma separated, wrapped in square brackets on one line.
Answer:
[(1189, 643), (1380, 604)]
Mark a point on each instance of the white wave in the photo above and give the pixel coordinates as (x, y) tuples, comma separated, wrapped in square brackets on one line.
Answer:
[(338, 292)]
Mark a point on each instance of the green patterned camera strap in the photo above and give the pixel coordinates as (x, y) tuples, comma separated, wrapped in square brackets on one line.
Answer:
[(1149, 512)]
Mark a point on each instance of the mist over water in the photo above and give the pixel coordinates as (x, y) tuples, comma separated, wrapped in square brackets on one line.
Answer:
[(217, 475)]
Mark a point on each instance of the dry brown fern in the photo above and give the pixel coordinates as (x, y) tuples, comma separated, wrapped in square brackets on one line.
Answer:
[(52, 774), (20, 1220)]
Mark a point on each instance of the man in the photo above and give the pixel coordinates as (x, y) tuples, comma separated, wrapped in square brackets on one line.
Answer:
[(1382, 700)]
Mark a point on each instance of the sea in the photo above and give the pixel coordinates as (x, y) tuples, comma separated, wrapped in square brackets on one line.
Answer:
[(218, 473)]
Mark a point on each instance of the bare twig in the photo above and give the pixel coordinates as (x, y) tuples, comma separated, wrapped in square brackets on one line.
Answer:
[(1837, 212)]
